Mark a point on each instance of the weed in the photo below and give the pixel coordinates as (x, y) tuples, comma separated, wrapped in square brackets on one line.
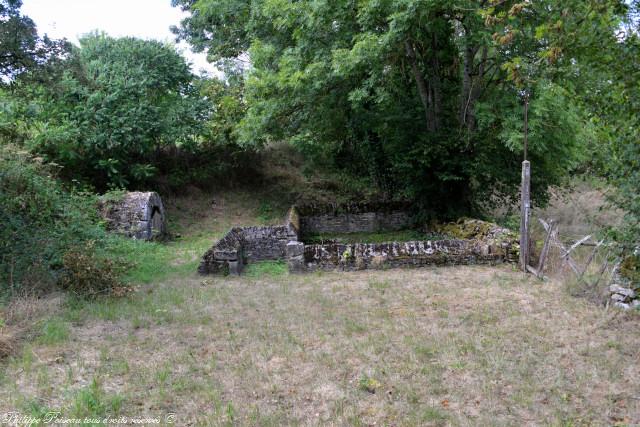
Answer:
[(353, 327), (54, 331), (266, 269), (368, 384), (379, 285), (92, 402), (35, 408), (434, 415)]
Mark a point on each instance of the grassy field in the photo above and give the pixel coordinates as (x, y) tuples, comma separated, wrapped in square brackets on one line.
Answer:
[(436, 346)]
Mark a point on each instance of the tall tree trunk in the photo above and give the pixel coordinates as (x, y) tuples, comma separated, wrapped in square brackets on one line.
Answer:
[(423, 87), (471, 86), (436, 87)]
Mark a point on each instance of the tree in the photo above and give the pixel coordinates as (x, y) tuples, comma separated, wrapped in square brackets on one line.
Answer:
[(119, 101), (424, 97), (21, 48)]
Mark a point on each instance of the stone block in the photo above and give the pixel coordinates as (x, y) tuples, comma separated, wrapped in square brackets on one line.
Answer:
[(296, 264), (226, 255), (294, 249), (235, 267), (627, 292), (138, 215), (618, 297), (621, 305)]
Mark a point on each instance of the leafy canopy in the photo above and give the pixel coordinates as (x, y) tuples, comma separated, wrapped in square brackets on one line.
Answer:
[(117, 102), (422, 97)]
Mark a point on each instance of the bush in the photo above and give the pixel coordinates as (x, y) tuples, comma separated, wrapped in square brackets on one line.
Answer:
[(89, 275), (41, 221)]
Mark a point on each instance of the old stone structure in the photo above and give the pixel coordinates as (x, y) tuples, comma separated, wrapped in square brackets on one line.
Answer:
[(623, 292), (354, 218), (139, 215), (360, 256), (247, 244)]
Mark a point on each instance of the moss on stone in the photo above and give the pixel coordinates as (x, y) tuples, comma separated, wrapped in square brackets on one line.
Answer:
[(630, 269), (473, 229)]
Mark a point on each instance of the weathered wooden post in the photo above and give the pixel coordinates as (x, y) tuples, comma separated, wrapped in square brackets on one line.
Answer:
[(525, 198), (525, 207)]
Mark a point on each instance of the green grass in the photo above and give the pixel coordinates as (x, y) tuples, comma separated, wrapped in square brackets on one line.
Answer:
[(454, 346), (381, 237), (154, 307), (92, 402), (155, 261), (54, 331), (266, 269)]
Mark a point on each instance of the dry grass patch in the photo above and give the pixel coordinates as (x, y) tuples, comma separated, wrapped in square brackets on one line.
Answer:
[(23, 318), (448, 346)]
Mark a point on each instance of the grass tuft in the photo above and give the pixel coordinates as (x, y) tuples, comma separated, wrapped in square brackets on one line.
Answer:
[(93, 402), (266, 269), (54, 331)]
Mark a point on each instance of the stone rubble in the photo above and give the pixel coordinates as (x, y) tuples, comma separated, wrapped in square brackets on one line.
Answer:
[(622, 292)]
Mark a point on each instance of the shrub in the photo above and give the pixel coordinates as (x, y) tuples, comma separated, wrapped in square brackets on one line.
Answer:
[(41, 221), (89, 275)]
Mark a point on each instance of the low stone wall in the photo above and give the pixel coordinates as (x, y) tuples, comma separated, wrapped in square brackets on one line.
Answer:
[(266, 243), (360, 256), (247, 244), (354, 218), (139, 215), (226, 256), (623, 292)]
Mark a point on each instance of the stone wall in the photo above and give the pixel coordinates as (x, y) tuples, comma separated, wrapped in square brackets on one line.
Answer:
[(226, 256), (361, 256), (266, 243), (248, 244), (623, 291), (139, 215), (354, 218)]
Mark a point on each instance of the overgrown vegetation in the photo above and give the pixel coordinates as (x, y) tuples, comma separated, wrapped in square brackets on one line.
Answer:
[(41, 221), (406, 99)]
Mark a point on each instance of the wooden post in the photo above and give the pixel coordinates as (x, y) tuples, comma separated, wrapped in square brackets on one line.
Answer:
[(525, 207), (545, 249), (526, 125)]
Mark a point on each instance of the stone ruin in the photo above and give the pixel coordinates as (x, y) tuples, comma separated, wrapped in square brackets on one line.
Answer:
[(623, 290), (489, 245), (138, 215), (247, 244)]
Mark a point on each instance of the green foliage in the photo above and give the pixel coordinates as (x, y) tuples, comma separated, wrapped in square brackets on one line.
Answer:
[(54, 331), (116, 104), (21, 49), (630, 269), (40, 221), (421, 98), (213, 155), (610, 91), (89, 275)]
